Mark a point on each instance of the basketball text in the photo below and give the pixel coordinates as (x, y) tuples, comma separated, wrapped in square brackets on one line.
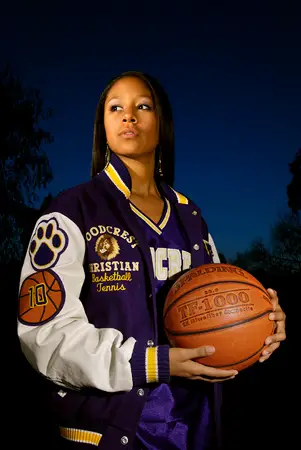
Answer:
[(207, 270), (213, 306)]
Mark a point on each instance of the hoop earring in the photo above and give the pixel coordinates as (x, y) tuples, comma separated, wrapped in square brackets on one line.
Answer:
[(107, 155)]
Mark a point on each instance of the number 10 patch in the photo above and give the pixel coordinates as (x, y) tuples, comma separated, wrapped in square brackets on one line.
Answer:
[(41, 298)]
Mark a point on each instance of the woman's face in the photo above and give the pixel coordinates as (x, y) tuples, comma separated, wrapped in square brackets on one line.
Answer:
[(130, 120)]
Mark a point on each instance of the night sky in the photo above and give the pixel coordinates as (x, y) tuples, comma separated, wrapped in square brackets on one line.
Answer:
[(233, 78)]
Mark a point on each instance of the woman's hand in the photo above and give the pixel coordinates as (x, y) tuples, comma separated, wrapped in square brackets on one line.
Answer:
[(278, 316), (182, 365)]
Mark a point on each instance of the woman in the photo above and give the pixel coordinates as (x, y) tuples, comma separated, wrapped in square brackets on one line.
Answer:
[(106, 252)]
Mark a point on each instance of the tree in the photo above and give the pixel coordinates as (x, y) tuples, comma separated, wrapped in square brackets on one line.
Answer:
[(284, 254), (294, 187), (286, 243), (256, 258), (24, 165)]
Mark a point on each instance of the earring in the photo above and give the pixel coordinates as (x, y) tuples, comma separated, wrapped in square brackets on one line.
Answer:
[(107, 155), (160, 171)]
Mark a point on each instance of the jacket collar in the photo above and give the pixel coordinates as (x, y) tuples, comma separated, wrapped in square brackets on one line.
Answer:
[(118, 176)]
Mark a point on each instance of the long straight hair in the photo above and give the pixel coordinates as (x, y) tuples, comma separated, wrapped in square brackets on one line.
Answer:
[(166, 128)]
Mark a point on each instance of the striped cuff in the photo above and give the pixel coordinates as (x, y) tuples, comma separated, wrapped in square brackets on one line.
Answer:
[(150, 364), (81, 436)]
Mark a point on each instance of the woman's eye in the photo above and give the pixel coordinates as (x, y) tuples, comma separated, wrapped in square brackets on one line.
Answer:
[(115, 108), (144, 106)]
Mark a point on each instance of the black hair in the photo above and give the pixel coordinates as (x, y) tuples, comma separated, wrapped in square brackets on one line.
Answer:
[(166, 128)]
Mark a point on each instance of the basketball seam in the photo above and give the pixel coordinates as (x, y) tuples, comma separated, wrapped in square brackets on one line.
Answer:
[(210, 284), (31, 278), (51, 299), (43, 312), (242, 360), (210, 330)]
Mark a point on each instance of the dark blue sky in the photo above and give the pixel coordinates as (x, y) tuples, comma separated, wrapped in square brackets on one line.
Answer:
[(233, 78)]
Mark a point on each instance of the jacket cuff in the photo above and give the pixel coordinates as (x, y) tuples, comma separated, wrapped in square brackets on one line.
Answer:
[(150, 364)]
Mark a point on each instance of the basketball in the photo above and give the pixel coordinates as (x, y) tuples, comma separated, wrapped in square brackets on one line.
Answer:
[(41, 298), (220, 305)]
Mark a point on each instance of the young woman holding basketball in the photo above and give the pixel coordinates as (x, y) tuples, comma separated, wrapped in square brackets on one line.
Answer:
[(112, 247)]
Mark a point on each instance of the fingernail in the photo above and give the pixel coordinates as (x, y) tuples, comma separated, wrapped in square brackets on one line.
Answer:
[(261, 360), (268, 341), (272, 316), (265, 352), (210, 349)]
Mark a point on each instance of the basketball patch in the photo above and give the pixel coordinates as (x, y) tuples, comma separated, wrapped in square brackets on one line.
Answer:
[(41, 298), (47, 244)]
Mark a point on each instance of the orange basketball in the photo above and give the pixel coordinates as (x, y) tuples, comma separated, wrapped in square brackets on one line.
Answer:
[(220, 305), (42, 296)]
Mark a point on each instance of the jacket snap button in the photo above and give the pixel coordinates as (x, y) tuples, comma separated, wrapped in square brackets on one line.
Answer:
[(196, 247), (140, 392), (194, 213), (124, 440), (150, 343)]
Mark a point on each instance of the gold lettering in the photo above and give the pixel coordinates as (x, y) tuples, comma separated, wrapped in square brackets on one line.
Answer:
[(94, 231), (135, 266), (116, 231), (116, 276), (101, 229), (127, 266), (108, 266), (124, 235), (115, 265), (94, 267), (109, 288)]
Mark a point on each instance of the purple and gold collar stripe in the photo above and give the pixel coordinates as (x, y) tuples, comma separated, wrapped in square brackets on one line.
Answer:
[(119, 175), (166, 216), (117, 180), (163, 221), (181, 198)]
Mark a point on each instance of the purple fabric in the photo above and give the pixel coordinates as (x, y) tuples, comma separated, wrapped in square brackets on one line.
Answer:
[(170, 419)]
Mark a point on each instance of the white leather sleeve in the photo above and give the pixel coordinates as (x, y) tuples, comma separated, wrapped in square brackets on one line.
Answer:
[(60, 343)]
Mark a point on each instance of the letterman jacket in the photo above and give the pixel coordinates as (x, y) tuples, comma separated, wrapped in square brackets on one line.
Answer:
[(87, 317)]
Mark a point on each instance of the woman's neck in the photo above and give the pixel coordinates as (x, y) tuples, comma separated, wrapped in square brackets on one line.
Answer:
[(142, 176)]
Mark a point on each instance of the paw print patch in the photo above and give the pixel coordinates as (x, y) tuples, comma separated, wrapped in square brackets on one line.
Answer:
[(47, 244)]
